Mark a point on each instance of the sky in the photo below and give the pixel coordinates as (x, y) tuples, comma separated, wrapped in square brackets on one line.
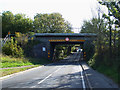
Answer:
[(73, 11)]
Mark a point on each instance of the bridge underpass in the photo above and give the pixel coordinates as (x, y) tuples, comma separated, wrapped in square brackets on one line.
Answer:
[(48, 41), (69, 46)]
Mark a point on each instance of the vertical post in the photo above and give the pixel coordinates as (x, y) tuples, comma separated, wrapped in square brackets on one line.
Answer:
[(9, 34), (110, 33)]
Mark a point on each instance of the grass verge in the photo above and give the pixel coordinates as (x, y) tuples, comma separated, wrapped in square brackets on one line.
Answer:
[(9, 62), (15, 70), (111, 72)]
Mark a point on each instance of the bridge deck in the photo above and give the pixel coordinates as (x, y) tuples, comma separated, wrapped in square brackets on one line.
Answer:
[(66, 34)]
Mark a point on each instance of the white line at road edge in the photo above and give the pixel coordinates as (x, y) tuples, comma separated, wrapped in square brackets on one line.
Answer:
[(83, 82)]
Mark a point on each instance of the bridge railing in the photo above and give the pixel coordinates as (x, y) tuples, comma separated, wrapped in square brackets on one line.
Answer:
[(3, 41)]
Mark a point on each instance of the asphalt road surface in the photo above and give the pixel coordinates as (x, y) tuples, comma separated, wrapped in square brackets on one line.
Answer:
[(68, 73)]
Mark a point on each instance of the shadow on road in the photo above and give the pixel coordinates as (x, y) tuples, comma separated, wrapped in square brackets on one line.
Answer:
[(72, 80), (73, 59)]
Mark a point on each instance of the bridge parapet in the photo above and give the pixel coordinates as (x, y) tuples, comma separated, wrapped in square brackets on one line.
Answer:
[(61, 36)]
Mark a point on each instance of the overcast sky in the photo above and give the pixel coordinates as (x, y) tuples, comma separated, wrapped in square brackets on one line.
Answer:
[(74, 11)]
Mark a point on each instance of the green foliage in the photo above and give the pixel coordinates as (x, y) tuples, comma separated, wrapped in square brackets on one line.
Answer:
[(12, 48), (59, 52), (7, 22), (62, 51), (14, 70), (8, 61), (114, 9), (43, 23), (22, 39), (110, 71), (26, 42), (90, 50), (22, 24), (20, 46), (105, 56), (15, 23), (51, 23)]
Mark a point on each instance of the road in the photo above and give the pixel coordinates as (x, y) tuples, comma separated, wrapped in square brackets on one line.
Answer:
[(68, 73)]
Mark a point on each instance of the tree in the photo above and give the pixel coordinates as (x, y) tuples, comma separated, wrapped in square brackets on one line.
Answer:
[(22, 24), (97, 26), (68, 27), (50, 23), (114, 11), (92, 26), (15, 23), (7, 22)]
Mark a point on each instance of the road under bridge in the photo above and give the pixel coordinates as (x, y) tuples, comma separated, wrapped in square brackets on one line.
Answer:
[(48, 41)]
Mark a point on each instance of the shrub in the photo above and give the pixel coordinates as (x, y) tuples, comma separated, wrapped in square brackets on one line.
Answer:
[(89, 48), (12, 48)]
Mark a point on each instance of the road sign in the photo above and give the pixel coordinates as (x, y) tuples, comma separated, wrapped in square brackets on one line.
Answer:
[(8, 33), (66, 39), (44, 49)]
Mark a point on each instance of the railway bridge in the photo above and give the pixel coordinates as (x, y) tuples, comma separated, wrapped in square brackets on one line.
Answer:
[(48, 41)]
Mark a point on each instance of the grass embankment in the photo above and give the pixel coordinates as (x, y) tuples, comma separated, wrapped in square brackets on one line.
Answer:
[(9, 62), (110, 71), (14, 70)]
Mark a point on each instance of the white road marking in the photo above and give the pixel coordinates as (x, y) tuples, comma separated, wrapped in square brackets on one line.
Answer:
[(57, 69), (33, 87), (46, 77), (83, 82)]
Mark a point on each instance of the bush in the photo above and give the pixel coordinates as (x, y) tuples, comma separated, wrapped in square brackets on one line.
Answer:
[(22, 39), (61, 52), (89, 48), (12, 48)]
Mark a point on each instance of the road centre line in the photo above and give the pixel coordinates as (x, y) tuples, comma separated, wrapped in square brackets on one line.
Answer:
[(48, 76), (44, 79), (83, 82)]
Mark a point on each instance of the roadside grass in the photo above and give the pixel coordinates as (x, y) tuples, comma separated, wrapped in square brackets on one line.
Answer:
[(14, 70), (111, 72), (9, 62)]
